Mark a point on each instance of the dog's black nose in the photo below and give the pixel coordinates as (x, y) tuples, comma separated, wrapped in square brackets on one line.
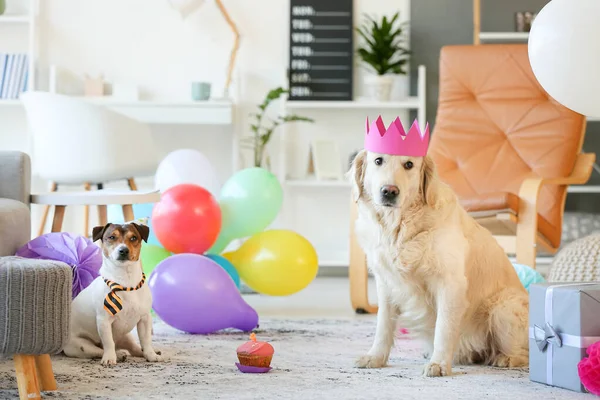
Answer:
[(124, 251), (389, 192)]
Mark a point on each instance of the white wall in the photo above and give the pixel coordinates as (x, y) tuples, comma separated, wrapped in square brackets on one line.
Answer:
[(147, 43)]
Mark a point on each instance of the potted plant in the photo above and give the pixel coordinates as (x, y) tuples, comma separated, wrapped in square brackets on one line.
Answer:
[(384, 51), (262, 132)]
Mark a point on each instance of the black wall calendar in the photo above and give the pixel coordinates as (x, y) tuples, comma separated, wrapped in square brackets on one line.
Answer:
[(321, 50)]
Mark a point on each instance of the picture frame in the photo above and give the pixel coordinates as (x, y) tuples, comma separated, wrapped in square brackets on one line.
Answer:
[(325, 160)]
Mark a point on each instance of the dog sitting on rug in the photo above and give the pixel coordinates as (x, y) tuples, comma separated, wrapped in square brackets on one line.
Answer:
[(438, 272), (104, 313)]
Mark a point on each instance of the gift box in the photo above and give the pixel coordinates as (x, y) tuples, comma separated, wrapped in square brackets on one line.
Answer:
[(564, 320)]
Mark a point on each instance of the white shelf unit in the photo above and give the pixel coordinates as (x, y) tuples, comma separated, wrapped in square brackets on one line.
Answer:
[(508, 36), (317, 183), (218, 112), (211, 112), (312, 187), (15, 19), (29, 20), (410, 103), (9, 102)]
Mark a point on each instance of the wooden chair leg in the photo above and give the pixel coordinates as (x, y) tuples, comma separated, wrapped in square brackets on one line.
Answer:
[(27, 379), (131, 183), (86, 214), (358, 273), (527, 226), (59, 216), (102, 215), (53, 188), (102, 210), (128, 212), (45, 373)]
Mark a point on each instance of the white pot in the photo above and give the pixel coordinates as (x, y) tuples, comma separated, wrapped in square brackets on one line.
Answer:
[(379, 86)]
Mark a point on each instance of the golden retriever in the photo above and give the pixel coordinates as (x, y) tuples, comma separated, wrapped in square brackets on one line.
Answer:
[(438, 272)]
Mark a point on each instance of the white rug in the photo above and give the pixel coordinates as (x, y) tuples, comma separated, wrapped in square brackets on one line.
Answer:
[(313, 360)]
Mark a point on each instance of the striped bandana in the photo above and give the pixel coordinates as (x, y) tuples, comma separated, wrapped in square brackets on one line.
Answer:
[(112, 302)]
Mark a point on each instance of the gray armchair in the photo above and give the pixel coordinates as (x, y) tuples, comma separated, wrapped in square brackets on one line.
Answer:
[(35, 295), (15, 188)]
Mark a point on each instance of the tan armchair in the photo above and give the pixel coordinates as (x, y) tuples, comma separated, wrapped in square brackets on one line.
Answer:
[(507, 149)]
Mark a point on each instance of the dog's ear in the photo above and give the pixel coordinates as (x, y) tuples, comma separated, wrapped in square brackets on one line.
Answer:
[(143, 230), (98, 232), (428, 172), (357, 174)]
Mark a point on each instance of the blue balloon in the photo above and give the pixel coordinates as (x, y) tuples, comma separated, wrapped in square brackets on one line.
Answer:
[(143, 210), (227, 266), (528, 275)]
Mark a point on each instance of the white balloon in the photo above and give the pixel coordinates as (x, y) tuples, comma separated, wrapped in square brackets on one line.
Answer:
[(186, 166), (564, 52)]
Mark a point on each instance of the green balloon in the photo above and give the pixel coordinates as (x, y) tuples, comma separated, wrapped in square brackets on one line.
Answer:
[(151, 255), (220, 244), (250, 201)]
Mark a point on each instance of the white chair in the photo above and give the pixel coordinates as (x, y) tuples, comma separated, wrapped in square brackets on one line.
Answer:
[(82, 144)]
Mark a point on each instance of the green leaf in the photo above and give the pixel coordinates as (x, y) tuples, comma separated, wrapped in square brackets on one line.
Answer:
[(384, 43)]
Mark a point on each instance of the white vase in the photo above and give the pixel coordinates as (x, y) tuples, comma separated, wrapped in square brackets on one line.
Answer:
[(379, 86)]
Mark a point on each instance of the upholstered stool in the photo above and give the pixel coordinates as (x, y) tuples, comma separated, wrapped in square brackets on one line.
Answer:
[(579, 261), (35, 308)]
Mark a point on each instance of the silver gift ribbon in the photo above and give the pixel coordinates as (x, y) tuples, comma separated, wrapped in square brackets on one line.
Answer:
[(547, 338)]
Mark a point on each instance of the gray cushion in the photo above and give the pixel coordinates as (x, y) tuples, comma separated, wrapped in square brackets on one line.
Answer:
[(35, 305), (15, 226)]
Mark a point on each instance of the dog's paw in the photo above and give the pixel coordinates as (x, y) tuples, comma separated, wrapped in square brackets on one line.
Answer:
[(153, 357), (371, 362), (434, 369), (122, 355), (109, 360), (503, 361)]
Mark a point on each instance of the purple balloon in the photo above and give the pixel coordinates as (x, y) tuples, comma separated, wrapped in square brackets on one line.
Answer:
[(192, 293), (84, 257)]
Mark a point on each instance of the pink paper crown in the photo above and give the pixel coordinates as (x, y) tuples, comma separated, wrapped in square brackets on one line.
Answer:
[(394, 140)]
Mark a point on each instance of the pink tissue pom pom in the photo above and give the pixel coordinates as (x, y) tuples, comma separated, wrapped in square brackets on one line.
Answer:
[(589, 369)]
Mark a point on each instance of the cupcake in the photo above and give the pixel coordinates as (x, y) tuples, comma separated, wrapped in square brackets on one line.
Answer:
[(255, 354)]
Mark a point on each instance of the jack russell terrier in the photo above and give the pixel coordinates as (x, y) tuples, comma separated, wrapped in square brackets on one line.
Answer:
[(104, 313)]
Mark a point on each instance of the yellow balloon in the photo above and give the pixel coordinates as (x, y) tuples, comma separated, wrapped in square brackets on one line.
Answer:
[(276, 262)]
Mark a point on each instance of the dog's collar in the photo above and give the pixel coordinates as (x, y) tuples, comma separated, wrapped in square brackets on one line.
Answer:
[(112, 302)]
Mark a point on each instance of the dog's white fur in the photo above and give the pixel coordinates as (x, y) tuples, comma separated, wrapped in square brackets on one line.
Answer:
[(96, 334), (438, 272)]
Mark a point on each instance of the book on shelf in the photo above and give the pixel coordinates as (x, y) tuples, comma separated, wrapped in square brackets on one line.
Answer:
[(13, 75)]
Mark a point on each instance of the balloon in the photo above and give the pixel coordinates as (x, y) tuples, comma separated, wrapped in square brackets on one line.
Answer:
[(528, 275), (564, 53), (186, 166), (222, 241), (227, 266), (151, 256), (276, 262), (79, 252), (140, 211), (194, 294), (250, 200), (187, 219)]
